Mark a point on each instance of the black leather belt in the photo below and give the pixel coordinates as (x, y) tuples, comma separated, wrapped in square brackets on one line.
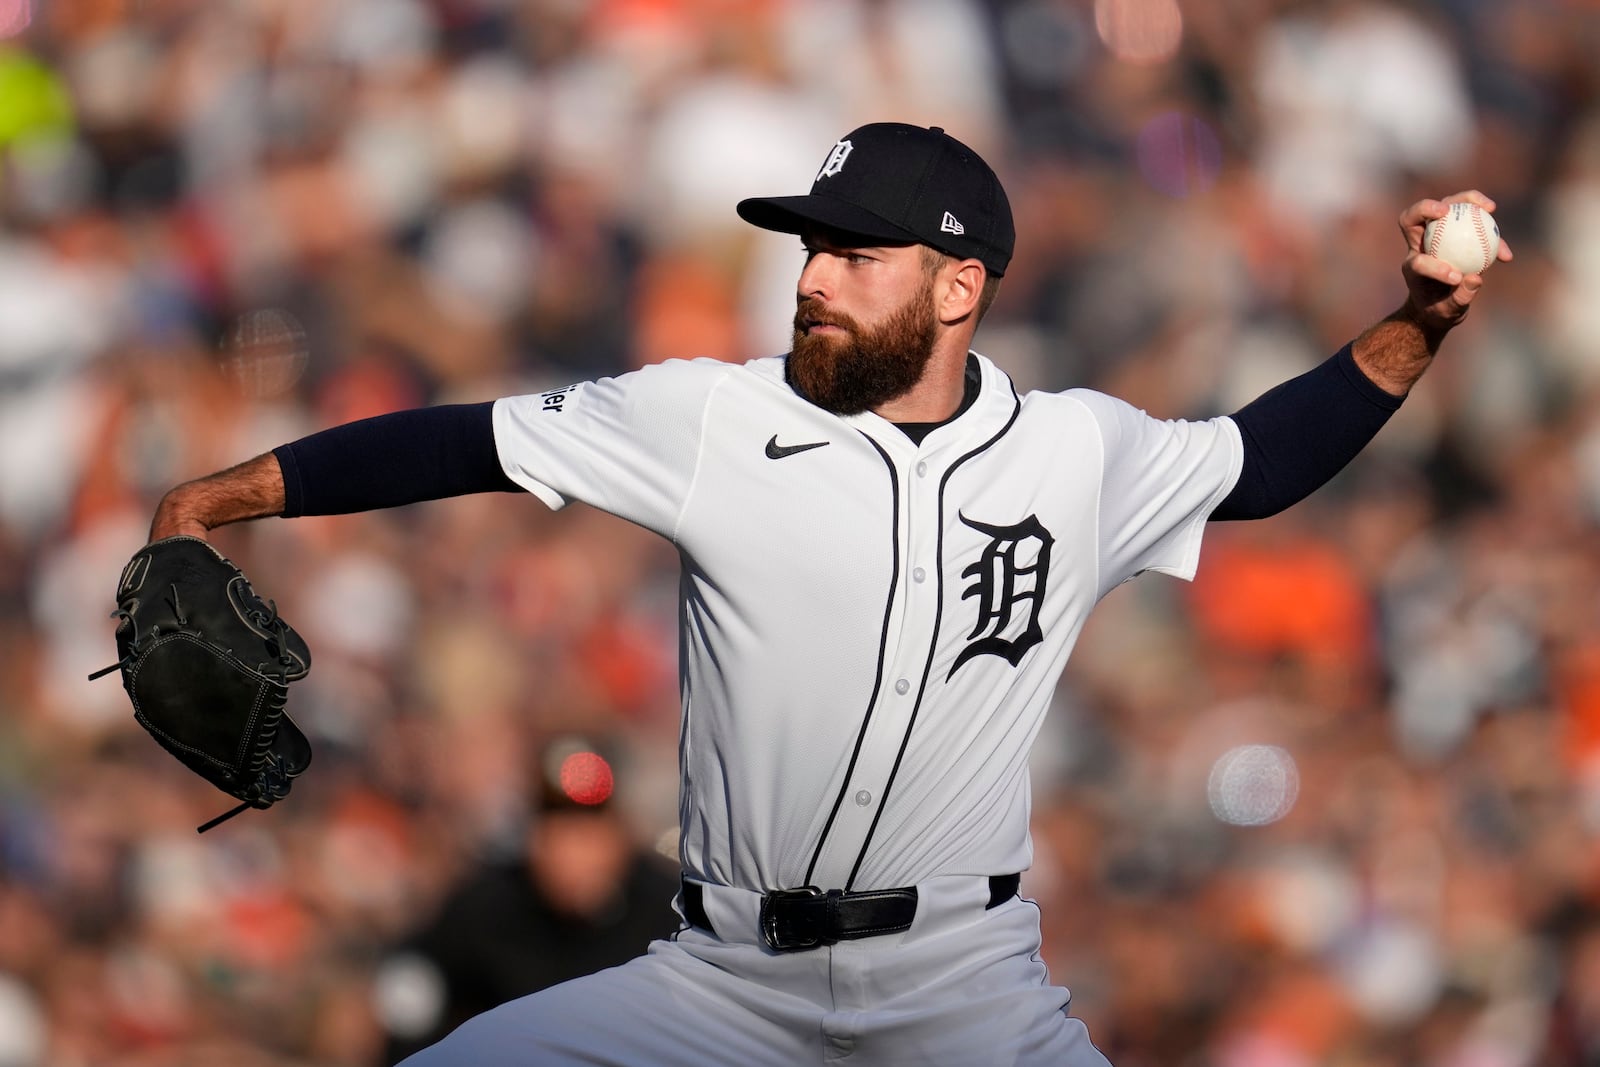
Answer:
[(796, 919)]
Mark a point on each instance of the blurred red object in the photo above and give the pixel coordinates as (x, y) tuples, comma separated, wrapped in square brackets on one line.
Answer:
[(1294, 596)]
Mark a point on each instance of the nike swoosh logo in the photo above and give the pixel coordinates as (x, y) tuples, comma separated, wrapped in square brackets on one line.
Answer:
[(777, 451)]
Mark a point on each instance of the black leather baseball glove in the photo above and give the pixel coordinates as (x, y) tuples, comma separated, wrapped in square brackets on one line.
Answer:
[(208, 664)]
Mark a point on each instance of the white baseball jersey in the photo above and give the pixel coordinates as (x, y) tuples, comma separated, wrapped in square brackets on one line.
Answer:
[(871, 628)]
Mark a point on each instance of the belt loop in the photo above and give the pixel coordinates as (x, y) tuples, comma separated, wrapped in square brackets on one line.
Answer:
[(1002, 887), (694, 905)]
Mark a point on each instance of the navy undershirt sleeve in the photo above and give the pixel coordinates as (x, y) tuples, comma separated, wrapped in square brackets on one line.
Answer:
[(389, 460), (1300, 434)]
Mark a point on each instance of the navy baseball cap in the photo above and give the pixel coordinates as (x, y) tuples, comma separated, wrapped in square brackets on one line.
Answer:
[(901, 183)]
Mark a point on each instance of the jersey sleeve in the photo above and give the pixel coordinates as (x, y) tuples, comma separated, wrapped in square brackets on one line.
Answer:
[(1160, 480), (628, 445)]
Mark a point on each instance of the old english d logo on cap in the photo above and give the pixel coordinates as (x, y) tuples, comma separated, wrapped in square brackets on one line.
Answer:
[(903, 185), (835, 161)]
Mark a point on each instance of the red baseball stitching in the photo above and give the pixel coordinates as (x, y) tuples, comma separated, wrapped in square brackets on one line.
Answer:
[(1483, 238), (1437, 235), (1477, 223)]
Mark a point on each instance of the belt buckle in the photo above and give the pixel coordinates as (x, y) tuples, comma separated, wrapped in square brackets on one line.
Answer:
[(787, 940)]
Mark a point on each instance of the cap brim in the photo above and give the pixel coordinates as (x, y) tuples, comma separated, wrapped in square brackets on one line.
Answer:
[(792, 214)]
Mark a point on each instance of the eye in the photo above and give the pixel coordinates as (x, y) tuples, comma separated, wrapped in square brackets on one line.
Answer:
[(856, 259)]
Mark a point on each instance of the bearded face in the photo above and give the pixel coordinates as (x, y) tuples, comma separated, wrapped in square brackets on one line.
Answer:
[(861, 368)]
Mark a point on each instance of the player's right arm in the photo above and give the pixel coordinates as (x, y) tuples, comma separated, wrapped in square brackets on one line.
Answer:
[(1300, 434)]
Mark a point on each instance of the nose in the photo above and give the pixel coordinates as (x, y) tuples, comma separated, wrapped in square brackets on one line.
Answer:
[(817, 279)]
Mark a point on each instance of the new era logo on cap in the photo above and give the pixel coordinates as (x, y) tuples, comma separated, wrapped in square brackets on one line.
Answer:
[(904, 184)]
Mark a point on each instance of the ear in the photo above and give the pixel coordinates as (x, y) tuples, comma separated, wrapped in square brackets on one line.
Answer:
[(963, 286)]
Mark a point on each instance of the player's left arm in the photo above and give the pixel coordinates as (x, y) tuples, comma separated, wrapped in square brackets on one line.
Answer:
[(403, 457), (1300, 434)]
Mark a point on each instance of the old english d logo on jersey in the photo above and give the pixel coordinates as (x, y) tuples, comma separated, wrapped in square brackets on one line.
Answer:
[(1007, 586)]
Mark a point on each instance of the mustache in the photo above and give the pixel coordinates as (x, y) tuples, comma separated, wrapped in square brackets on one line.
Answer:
[(813, 312)]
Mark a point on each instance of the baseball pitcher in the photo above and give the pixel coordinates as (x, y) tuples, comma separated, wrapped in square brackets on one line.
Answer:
[(887, 554)]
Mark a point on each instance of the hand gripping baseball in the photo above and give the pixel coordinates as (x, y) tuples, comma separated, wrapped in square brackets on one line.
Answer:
[(207, 665), (1439, 292)]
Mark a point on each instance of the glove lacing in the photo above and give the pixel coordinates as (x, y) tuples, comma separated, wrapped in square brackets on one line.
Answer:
[(127, 618), (133, 645), (268, 620)]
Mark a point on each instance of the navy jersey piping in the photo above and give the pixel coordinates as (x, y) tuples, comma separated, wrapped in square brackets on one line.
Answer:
[(883, 645), (933, 643)]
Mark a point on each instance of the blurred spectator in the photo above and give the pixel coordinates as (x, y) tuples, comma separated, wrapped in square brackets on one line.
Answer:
[(1351, 93), (576, 897)]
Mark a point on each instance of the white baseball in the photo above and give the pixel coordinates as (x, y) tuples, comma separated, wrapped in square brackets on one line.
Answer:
[(1467, 238)]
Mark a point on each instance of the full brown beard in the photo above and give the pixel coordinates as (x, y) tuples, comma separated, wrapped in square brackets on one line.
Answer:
[(864, 368)]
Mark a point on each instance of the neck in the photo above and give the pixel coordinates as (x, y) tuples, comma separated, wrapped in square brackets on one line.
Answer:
[(937, 394)]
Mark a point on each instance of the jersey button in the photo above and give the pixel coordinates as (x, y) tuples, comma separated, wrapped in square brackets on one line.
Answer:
[(902, 687), (922, 470), (919, 575), (863, 798)]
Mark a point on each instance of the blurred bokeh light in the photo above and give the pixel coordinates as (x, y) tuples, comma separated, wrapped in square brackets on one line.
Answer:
[(265, 352), (1253, 785), (1140, 31), (15, 15), (1179, 154)]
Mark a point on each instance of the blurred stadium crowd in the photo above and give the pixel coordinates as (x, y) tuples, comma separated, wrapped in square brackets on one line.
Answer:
[(1336, 803)]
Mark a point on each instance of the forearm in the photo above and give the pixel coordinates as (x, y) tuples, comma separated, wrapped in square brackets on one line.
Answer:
[(251, 490), (1300, 434), (1394, 352)]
